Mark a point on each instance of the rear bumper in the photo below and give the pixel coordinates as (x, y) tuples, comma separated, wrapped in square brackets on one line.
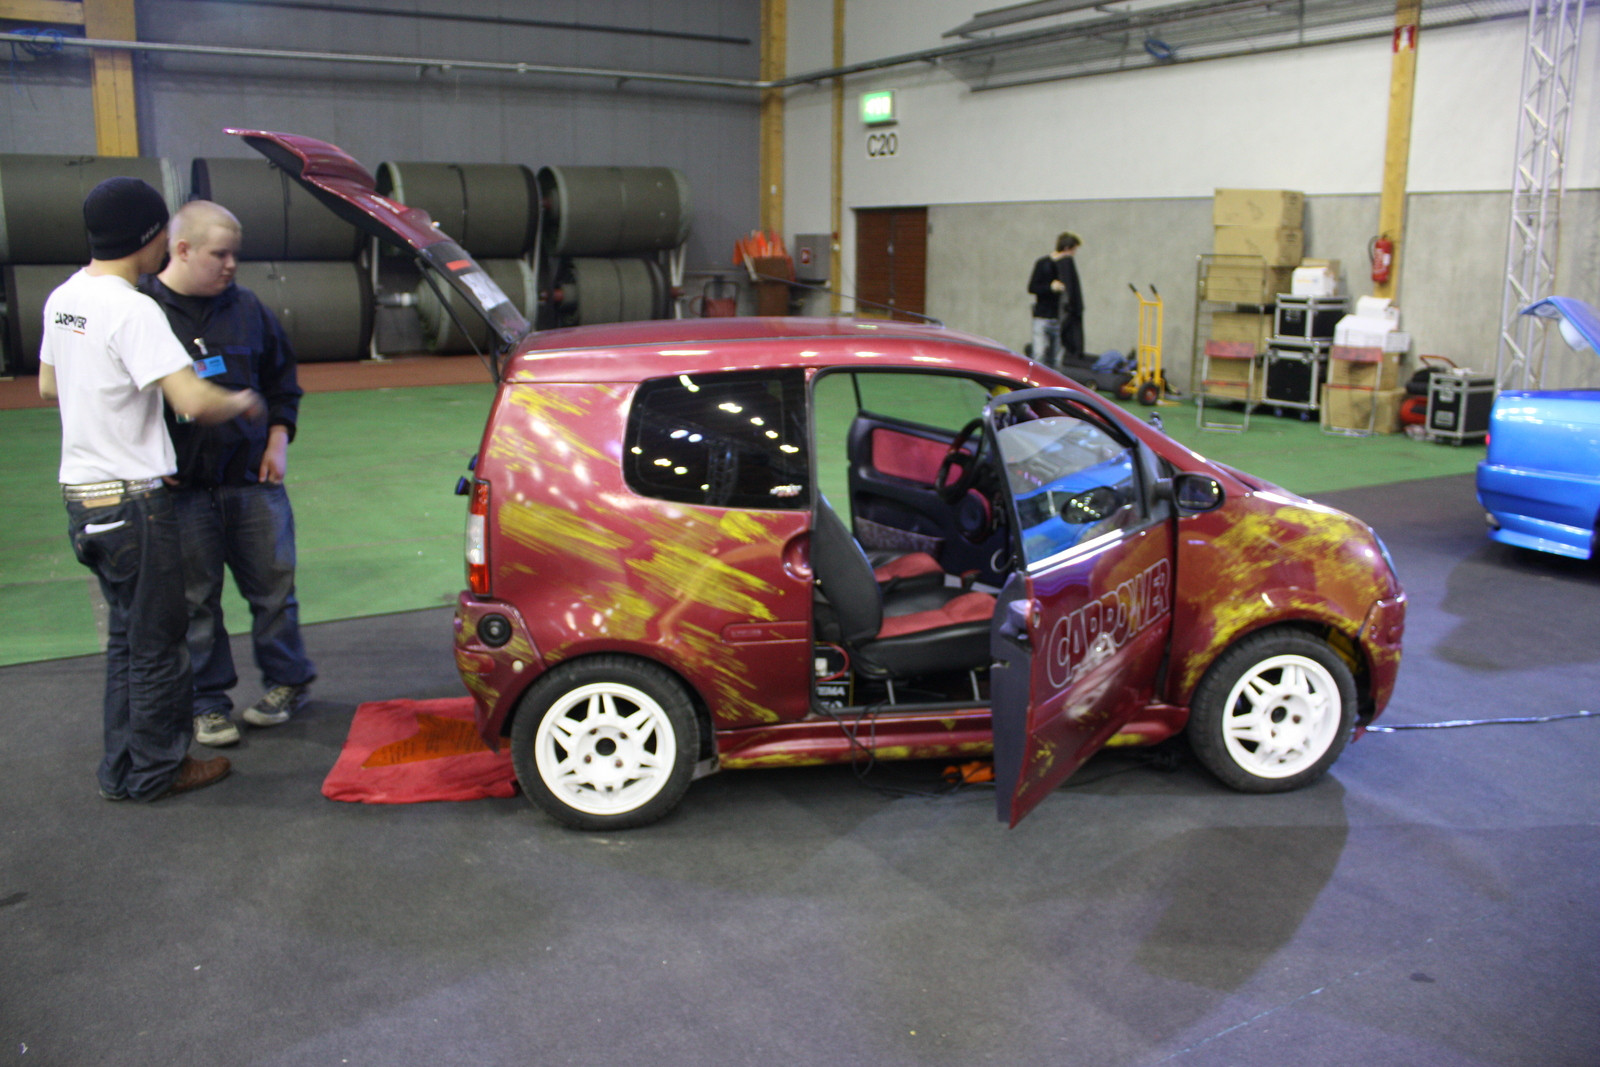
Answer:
[(1544, 511), (495, 676)]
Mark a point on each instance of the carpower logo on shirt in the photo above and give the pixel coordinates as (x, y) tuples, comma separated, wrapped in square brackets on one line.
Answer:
[(75, 323)]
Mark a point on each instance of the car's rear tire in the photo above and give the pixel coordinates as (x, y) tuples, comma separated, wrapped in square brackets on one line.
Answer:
[(1273, 712), (606, 743)]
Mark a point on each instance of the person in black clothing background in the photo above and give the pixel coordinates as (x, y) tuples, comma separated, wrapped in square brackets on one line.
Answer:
[(1058, 303), (233, 510)]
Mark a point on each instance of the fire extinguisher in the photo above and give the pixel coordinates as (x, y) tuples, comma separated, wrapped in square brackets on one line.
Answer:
[(1382, 252)]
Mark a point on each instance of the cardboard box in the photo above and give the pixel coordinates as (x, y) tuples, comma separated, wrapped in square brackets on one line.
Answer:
[(1228, 371), (1366, 368), (1223, 390), (1314, 281), (1279, 247), (1228, 283), (1347, 407), (1250, 327), (1272, 208)]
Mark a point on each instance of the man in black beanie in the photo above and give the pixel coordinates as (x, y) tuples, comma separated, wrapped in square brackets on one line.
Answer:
[(108, 359)]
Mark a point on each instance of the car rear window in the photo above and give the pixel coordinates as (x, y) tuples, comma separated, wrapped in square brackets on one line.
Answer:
[(735, 440)]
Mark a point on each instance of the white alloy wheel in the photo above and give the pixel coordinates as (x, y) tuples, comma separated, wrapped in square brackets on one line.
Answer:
[(606, 742), (1273, 712), (605, 748), (1282, 716)]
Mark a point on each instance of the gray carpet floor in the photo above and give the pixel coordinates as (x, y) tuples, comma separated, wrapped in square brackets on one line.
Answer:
[(1430, 902)]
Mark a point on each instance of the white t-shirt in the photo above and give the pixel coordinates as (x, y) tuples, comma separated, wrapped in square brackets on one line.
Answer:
[(110, 344)]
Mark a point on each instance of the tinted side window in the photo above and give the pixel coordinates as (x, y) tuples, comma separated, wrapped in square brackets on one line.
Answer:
[(726, 440)]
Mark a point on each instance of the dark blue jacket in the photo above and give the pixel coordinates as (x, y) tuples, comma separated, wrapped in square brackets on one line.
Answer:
[(236, 343)]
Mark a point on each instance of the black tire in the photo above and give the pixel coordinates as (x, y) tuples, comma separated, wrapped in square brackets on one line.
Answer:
[(583, 754), (1150, 394), (1285, 731)]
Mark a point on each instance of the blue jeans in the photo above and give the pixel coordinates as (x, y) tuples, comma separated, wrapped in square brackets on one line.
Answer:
[(1047, 342), (250, 530), (132, 547)]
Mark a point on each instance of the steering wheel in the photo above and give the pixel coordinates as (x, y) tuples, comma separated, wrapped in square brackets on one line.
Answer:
[(957, 456)]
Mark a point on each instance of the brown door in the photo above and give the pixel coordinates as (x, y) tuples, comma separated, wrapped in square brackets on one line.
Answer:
[(892, 261)]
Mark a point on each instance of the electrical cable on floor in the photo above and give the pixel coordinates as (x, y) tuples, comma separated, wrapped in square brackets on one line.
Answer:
[(1454, 723), (862, 769), (1161, 759)]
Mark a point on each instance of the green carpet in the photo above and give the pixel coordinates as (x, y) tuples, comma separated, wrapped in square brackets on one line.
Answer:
[(1300, 457), (378, 527), (372, 476)]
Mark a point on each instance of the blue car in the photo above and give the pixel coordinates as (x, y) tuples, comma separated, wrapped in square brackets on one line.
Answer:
[(1540, 481)]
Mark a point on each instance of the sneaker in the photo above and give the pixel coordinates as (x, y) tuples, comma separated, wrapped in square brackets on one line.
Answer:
[(215, 729), (277, 704)]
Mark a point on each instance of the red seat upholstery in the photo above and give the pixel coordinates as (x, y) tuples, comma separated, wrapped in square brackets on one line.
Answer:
[(893, 635)]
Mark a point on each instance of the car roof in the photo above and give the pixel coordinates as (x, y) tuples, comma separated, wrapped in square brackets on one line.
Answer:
[(635, 351)]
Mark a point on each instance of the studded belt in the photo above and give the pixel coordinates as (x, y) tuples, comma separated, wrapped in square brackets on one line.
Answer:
[(102, 493)]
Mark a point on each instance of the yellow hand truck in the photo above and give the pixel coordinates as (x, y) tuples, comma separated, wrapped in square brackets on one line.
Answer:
[(1149, 382)]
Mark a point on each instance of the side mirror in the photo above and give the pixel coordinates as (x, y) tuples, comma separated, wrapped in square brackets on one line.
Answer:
[(1193, 492)]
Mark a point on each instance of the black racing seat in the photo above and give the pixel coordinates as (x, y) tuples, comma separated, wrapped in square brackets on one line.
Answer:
[(924, 631)]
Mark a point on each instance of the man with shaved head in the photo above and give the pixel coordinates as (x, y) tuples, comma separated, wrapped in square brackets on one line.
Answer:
[(232, 507)]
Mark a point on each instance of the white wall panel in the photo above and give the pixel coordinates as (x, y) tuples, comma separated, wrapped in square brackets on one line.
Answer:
[(1131, 160)]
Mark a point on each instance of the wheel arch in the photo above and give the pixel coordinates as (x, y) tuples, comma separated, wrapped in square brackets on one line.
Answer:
[(702, 710), (1345, 644)]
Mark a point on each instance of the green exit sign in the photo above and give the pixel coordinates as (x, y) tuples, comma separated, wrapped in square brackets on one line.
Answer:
[(877, 109)]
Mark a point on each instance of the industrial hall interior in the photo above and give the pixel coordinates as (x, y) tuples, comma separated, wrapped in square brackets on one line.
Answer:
[(864, 532)]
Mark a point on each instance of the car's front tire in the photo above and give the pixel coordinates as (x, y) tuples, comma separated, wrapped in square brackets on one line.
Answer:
[(606, 743), (1273, 712)]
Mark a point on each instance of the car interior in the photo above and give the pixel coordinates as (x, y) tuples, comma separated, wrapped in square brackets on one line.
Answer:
[(908, 568)]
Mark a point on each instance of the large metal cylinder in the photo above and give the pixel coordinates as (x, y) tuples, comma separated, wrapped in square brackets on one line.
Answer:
[(487, 207), (440, 332), (611, 211), (617, 290), (281, 220), (28, 286), (41, 201), (325, 308)]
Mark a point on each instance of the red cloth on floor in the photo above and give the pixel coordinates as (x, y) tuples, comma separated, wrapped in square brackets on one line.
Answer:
[(410, 751)]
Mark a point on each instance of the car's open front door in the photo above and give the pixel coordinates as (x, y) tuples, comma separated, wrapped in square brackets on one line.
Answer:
[(350, 192), (1082, 624)]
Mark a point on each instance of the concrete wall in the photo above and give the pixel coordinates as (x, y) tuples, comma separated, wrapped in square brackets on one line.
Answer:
[(430, 114), (979, 256), (1130, 161)]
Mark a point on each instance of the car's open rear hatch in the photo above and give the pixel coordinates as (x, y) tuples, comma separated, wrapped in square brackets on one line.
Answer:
[(351, 193)]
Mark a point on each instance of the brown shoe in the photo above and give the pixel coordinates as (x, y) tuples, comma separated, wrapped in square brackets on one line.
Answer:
[(197, 774)]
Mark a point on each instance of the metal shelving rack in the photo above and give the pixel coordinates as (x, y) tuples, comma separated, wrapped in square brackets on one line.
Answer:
[(1207, 285)]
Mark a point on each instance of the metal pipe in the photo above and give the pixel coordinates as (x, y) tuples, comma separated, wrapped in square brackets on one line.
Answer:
[(930, 56), (423, 62), (367, 9)]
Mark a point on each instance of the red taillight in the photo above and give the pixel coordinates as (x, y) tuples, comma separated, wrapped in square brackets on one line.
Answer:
[(477, 545)]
